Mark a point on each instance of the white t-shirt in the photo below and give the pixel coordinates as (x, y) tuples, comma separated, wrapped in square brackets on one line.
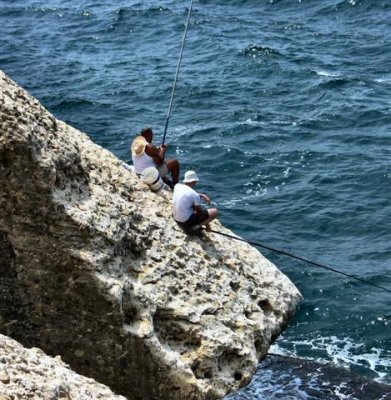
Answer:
[(183, 202), (142, 162)]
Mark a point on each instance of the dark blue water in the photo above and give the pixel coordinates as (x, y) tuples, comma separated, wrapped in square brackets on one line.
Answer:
[(282, 107)]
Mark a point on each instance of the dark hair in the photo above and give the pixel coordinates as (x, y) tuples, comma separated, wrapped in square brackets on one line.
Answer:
[(145, 131)]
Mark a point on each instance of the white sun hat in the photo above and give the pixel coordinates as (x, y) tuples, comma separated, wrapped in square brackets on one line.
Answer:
[(190, 176), (138, 146)]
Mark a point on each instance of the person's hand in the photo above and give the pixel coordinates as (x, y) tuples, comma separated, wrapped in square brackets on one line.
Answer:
[(162, 150), (206, 198)]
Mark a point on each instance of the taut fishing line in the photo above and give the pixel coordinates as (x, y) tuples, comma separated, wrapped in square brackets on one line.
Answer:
[(286, 253)]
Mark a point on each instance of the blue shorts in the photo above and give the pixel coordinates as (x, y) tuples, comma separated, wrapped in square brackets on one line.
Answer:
[(195, 219)]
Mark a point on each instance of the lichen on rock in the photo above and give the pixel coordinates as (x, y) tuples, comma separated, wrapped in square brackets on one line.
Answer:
[(103, 276)]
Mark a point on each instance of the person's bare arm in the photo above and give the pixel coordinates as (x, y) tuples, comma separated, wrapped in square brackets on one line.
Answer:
[(205, 197), (155, 153), (162, 150)]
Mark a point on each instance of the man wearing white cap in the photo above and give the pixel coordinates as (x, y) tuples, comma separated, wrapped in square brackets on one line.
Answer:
[(187, 209)]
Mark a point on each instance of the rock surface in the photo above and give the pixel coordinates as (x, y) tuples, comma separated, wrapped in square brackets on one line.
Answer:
[(31, 374), (94, 269)]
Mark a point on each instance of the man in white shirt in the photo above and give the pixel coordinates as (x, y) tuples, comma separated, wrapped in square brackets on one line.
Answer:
[(187, 209)]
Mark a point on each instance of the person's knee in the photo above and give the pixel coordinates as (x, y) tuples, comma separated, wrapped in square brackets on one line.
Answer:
[(213, 213), (172, 164)]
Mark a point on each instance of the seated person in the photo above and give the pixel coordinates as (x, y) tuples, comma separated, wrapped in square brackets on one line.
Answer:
[(187, 209), (145, 154)]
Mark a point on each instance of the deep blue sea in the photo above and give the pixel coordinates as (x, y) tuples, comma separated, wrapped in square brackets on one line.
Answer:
[(283, 107)]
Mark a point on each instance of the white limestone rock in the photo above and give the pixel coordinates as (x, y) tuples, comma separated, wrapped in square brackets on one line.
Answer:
[(98, 272), (31, 374)]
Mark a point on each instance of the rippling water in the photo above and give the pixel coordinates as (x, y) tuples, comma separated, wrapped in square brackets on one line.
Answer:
[(282, 107)]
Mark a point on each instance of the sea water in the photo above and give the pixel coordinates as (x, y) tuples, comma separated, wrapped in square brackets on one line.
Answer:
[(284, 110)]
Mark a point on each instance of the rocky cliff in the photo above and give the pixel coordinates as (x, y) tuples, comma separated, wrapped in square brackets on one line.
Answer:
[(94, 269), (31, 374)]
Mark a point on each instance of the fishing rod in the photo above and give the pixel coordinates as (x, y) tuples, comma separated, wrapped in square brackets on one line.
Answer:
[(286, 253), (177, 72)]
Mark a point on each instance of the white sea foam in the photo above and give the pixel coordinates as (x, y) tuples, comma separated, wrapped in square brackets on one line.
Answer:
[(383, 80), (252, 122), (185, 130), (323, 72), (250, 194), (268, 384), (340, 352), (339, 391)]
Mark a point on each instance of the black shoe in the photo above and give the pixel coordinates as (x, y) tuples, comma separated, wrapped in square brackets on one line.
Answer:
[(194, 230), (202, 234), (169, 183), (198, 231)]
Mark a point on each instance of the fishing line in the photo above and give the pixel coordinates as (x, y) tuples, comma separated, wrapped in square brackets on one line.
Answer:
[(177, 72), (286, 253)]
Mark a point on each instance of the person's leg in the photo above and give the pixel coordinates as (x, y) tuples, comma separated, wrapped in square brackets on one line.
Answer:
[(213, 213), (164, 171), (192, 225), (197, 220), (173, 167)]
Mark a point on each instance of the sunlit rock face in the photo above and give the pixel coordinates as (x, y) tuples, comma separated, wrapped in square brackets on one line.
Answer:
[(94, 269)]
